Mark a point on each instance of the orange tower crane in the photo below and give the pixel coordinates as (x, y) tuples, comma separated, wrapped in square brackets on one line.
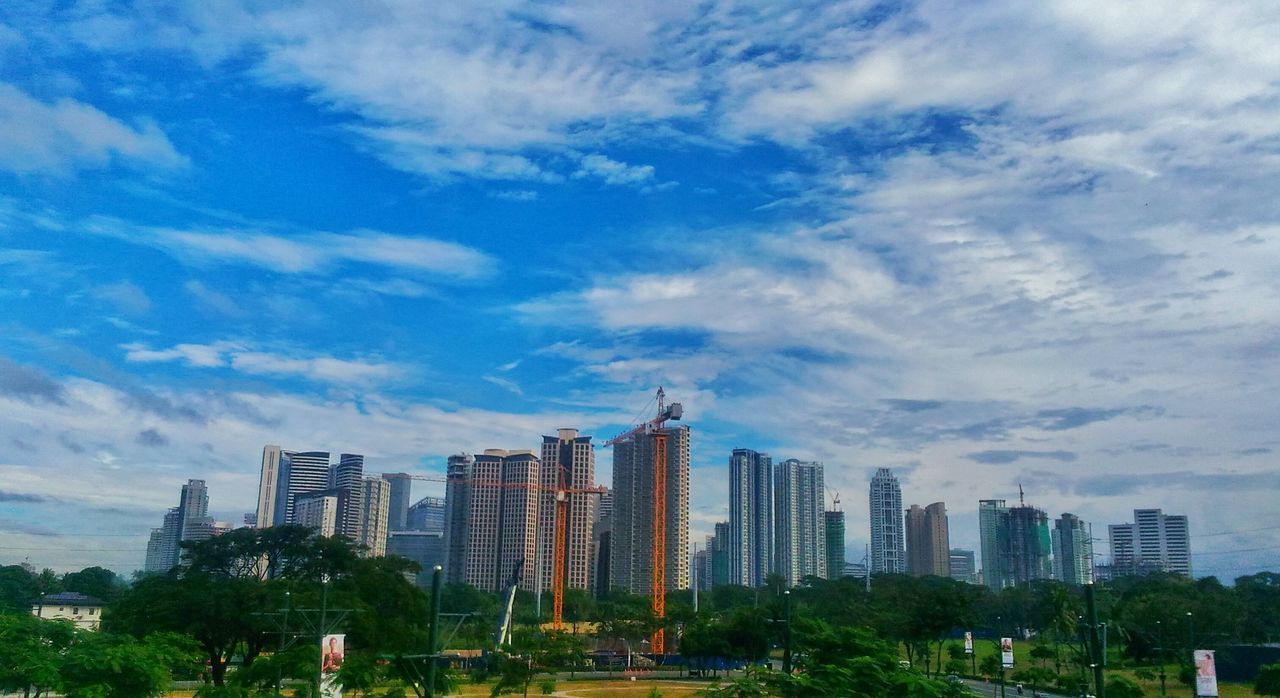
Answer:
[(654, 428), (561, 525)]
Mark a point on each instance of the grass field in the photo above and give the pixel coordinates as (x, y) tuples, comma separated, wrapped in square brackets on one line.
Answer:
[(669, 688), (984, 648)]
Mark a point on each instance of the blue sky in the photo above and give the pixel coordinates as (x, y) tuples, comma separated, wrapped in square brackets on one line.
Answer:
[(981, 243)]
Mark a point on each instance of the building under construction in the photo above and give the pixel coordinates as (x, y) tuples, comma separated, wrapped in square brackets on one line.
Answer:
[(631, 537)]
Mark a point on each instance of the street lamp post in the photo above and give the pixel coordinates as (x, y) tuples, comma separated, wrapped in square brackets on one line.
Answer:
[(1191, 649), (1160, 654)]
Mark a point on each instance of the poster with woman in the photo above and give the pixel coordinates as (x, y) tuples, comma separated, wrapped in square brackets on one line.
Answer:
[(1006, 652), (1206, 674), (332, 651)]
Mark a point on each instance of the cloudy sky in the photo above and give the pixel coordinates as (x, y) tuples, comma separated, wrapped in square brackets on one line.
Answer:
[(984, 244)]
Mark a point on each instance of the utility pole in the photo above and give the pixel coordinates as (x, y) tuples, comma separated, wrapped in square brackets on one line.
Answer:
[(433, 630), (694, 567), (1095, 642), (786, 631)]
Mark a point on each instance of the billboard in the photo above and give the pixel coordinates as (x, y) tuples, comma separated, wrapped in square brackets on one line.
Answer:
[(333, 649), (1006, 652), (1206, 674), (968, 642)]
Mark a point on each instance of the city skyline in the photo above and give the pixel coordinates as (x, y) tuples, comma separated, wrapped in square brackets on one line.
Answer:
[(939, 245)]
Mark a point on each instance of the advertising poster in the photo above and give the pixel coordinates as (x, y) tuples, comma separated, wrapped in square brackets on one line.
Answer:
[(332, 651), (968, 642), (1006, 652), (1206, 674)]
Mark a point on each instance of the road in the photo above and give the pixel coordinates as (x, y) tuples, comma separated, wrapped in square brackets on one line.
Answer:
[(992, 690)]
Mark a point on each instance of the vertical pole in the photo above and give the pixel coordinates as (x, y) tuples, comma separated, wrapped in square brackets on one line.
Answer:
[(694, 567), (786, 631), (433, 630), (1191, 649), (1095, 642), (324, 625)]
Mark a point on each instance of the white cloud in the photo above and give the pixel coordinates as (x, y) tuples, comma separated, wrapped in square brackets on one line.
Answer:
[(305, 252), (59, 137), (612, 171), (126, 296), (241, 357)]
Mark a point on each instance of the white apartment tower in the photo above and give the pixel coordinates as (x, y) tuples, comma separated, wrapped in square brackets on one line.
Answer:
[(751, 505), (502, 519), (631, 540), (800, 543), (374, 509), (1154, 542), (568, 463), (887, 554), (268, 484), (317, 511)]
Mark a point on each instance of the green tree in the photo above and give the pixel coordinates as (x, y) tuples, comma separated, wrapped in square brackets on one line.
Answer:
[(98, 582), (101, 665), (1123, 687), (31, 652), (1268, 681)]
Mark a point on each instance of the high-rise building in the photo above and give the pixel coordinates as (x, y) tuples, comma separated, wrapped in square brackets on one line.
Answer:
[(375, 509), (800, 543), (300, 473), (1030, 548), (398, 511), (502, 520), (1154, 542), (194, 505), (457, 503), (347, 476), (887, 543), (993, 528), (162, 547), (428, 514), (962, 566), (1072, 550), (751, 507), (631, 547), (719, 548), (835, 543), (928, 540), (268, 486), (427, 548), (320, 511), (568, 463)]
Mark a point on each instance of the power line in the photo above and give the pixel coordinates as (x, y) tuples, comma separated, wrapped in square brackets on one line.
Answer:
[(1238, 550), (1227, 533), (75, 550)]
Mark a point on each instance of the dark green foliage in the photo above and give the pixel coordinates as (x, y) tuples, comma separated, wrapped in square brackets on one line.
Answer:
[(1121, 687), (1268, 681)]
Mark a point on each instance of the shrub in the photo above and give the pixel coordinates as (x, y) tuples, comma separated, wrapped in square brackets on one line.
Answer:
[(1121, 687)]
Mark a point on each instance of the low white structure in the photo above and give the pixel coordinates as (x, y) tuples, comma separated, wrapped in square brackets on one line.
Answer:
[(84, 611)]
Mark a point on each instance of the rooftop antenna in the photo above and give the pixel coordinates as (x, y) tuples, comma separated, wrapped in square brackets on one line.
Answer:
[(1022, 502)]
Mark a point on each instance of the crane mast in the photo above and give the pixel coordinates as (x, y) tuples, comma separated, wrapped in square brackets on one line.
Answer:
[(658, 565)]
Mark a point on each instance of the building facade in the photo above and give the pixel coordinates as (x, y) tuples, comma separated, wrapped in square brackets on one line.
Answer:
[(993, 530), (1030, 552), (428, 514), (300, 473), (457, 507), (502, 520), (835, 543), (631, 543), (887, 538), (1072, 550), (751, 508), (568, 463), (318, 511), (398, 503), (928, 540), (962, 566), (1154, 542), (268, 486), (375, 511), (426, 548), (800, 543)]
